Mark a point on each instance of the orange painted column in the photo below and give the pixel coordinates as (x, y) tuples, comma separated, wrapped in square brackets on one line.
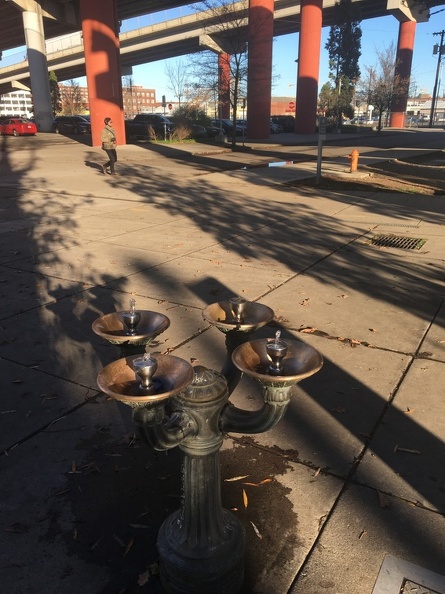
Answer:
[(259, 81), (224, 85), (311, 12), (102, 64), (404, 59)]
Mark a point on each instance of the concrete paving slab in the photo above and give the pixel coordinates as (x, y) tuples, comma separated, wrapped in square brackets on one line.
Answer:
[(140, 212), (404, 456), (358, 535), (32, 399), (169, 238), (22, 243), (434, 344), (194, 282), (90, 263), (287, 512), (332, 300), (21, 290), (44, 539), (270, 248)]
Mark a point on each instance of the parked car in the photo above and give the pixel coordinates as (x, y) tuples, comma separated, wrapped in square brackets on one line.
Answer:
[(17, 127), (227, 127), (275, 128), (148, 125), (71, 125), (287, 122)]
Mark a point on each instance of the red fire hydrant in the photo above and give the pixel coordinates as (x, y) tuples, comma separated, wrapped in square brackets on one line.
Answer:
[(353, 157)]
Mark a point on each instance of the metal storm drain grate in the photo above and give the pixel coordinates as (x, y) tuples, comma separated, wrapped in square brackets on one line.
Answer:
[(410, 587), (404, 243)]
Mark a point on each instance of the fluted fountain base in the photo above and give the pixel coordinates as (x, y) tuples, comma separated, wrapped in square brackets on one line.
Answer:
[(217, 569)]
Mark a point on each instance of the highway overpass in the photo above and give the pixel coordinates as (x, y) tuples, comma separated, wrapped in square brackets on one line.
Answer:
[(185, 35)]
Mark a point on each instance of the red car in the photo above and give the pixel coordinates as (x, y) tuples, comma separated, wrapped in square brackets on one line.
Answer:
[(17, 127)]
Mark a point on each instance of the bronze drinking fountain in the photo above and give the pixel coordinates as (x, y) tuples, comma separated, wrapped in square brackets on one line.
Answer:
[(201, 546)]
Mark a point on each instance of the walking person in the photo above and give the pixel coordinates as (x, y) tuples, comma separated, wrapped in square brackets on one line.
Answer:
[(108, 138)]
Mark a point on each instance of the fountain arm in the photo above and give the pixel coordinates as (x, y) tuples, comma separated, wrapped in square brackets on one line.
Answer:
[(160, 431), (237, 420)]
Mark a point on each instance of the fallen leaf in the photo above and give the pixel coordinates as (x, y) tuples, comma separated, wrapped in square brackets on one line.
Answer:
[(128, 547), (252, 484), (257, 532), (308, 330), (409, 410), (362, 534), (267, 480), (245, 500), (118, 540), (96, 543), (143, 578), (317, 472), (236, 478)]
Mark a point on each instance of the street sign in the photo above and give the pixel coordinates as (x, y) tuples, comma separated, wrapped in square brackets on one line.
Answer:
[(291, 105), (170, 106)]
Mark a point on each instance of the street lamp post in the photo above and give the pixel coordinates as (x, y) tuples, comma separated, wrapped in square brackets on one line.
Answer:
[(440, 49)]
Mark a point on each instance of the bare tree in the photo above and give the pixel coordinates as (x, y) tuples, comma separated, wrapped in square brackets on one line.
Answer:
[(178, 75), (226, 35), (128, 97), (381, 84), (71, 97)]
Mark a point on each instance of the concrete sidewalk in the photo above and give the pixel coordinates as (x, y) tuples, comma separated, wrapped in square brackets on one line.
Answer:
[(356, 503)]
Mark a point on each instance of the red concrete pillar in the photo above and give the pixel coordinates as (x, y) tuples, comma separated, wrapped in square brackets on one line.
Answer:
[(102, 64), (311, 13), (224, 85), (404, 58), (260, 38)]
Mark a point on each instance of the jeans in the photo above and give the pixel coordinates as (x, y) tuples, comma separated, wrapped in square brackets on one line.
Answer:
[(112, 158)]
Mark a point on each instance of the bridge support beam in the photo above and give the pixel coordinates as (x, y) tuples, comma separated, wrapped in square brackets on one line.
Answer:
[(102, 64), (404, 58), (260, 38), (311, 12), (38, 68), (224, 85)]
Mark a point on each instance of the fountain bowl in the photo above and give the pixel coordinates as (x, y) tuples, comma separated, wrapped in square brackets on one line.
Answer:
[(220, 315), (112, 328), (301, 361), (118, 380)]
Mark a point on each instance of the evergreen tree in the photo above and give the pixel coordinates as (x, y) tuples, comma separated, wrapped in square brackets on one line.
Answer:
[(344, 48), (56, 101)]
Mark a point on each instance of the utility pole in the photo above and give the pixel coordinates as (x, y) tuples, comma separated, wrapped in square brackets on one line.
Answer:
[(439, 49)]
